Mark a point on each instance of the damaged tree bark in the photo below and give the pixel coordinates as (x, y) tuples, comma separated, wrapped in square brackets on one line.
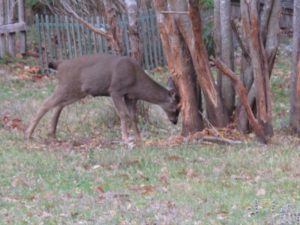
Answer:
[(112, 15), (133, 29), (180, 65), (215, 109), (181, 34)]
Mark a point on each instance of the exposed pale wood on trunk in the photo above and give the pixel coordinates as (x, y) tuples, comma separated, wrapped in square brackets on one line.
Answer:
[(133, 30), (181, 67), (199, 55), (115, 31)]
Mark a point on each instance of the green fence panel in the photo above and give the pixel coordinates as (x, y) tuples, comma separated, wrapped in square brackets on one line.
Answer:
[(62, 37)]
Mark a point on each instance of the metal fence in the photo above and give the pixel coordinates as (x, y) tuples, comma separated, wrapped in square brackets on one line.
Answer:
[(61, 37)]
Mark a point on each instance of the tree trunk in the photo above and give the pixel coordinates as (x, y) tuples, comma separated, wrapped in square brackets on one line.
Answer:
[(115, 40), (214, 106), (226, 54), (295, 75), (269, 29), (133, 30), (260, 64), (180, 65), (217, 39)]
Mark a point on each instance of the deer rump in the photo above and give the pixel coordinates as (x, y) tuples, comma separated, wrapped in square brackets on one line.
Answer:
[(106, 75)]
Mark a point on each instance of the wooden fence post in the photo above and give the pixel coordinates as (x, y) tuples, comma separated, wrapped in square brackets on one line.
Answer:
[(2, 36), (11, 35), (21, 15), (39, 36), (9, 27)]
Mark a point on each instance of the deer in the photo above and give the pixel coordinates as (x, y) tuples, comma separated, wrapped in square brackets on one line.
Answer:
[(119, 77)]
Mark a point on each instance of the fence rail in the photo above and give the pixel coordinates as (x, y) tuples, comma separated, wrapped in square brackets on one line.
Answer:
[(12, 26), (61, 37)]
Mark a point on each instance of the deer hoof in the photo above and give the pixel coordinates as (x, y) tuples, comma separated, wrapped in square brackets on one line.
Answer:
[(27, 136), (131, 145)]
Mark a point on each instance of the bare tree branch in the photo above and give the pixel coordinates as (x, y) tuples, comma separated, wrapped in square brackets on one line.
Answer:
[(241, 90), (239, 39), (70, 11)]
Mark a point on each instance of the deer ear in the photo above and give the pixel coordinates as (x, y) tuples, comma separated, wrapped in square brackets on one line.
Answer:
[(173, 95), (171, 84)]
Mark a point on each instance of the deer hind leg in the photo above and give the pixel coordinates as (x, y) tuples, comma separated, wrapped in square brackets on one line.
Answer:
[(132, 109), (122, 110), (48, 104), (58, 99), (54, 121), (57, 112)]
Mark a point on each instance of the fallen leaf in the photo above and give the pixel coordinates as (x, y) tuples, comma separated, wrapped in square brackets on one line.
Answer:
[(37, 77), (13, 123), (164, 180), (173, 158), (143, 189), (100, 189), (148, 189), (34, 69)]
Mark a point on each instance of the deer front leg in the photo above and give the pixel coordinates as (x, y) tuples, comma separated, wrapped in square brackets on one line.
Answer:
[(132, 108), (122, 111)]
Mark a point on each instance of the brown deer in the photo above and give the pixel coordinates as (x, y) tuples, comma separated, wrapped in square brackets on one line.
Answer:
[(106, 75)]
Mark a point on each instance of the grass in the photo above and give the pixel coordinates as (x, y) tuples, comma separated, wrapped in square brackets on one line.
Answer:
[(88, 177)]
